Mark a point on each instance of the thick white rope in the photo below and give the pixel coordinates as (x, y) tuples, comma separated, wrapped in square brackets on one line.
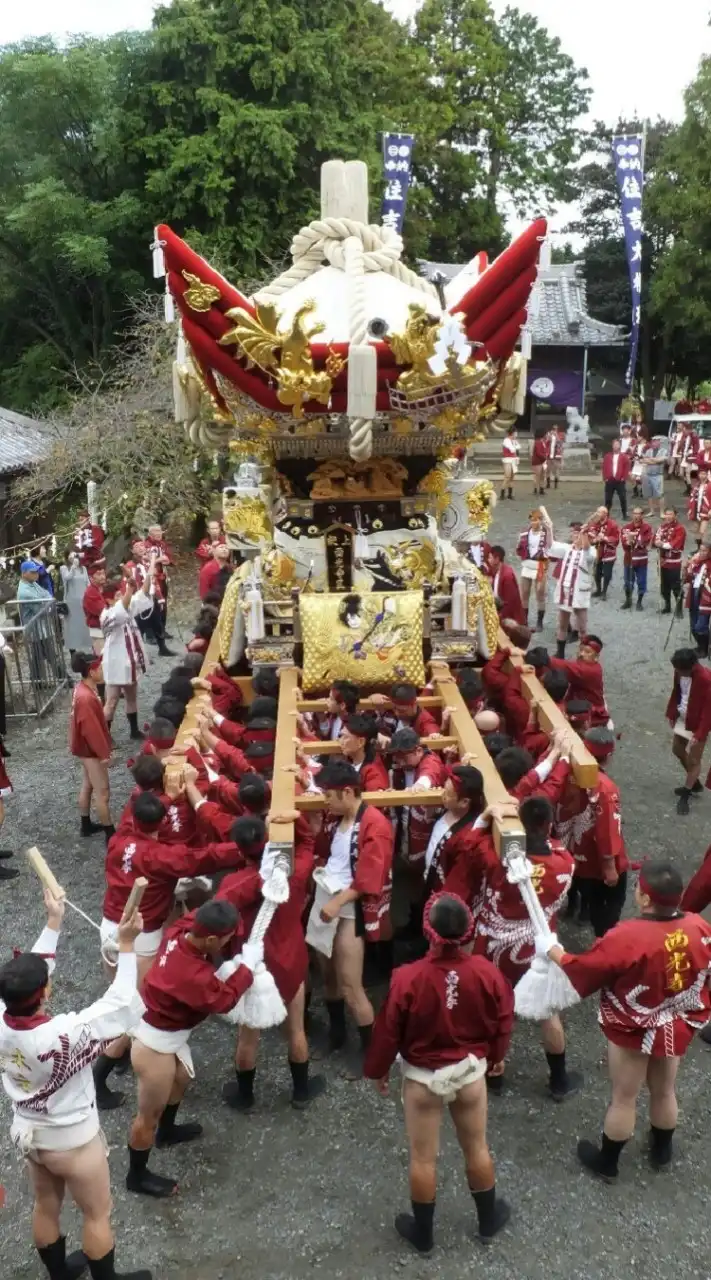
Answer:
[(360, 444)]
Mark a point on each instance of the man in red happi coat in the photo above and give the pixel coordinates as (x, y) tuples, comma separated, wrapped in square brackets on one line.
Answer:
[(653, 977), (689, 713), (448, 1016), (414, 768), (604, 535)]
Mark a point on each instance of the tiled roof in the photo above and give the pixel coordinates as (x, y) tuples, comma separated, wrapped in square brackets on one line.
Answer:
[(557, 312), (23, 442)]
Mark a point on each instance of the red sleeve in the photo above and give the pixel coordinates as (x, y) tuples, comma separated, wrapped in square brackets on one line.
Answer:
[(510, 596), (230, 731), (608, 827), (387, 1029), (471, 865), (173, 861), (503, 997), (554, 785), (375, 856), (597, 967), (697, 894), (226, 695), (493, 674), (219, 997), (242, 889), (374, 776), (203, 551), (225, 792), (426, 723), (213, 822), (234, 761), (89, 719), (208, 573)]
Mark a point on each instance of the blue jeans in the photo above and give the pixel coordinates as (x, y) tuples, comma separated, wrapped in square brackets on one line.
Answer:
[(636, 572)]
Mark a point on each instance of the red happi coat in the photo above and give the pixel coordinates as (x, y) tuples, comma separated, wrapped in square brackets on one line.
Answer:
[(506, 589), (182, 988), (414, 822), (206, 546), (439, 1010), (452, 848), (178, 826), (89, 737), (373, 775), (285, 952), (589, 824), (670, 540), (605, 535), (372, 841), (539, 452), (135, 854), (698, 711), (653, 979), (232, 761), (699, 506), (225, 694), (93, 604), (537, 548), (551, 785), (697, 894), (508, 696), (89, 543), (424, 723), (585, 680), (636, 541), (693, 567)]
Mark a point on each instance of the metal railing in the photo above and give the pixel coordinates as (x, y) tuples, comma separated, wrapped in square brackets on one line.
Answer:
[(36, 670)]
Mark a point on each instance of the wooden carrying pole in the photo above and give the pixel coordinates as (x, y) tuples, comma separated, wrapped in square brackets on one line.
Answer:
[(550, 718), (44, 873), (284, 783), (335, 749)]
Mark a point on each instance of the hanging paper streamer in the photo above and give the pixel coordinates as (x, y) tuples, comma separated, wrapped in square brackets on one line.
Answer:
[(397, 163), (628, 153)]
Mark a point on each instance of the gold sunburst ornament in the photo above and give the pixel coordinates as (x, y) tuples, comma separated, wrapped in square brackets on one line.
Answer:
[(285, 356), (200, 296)]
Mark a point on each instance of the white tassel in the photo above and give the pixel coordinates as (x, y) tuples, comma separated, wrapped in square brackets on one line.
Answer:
[(53, 545), (526, 344), (362, 381), (168, 307), (181, 347), (255, 617), (158, 256), (104, 519), (459, 605), (544, 990), (91, 492), (545, 255), (261, 1006), (181, 403)]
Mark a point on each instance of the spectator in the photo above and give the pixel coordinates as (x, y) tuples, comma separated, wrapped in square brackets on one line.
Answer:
[(616, 468), (75, 581)]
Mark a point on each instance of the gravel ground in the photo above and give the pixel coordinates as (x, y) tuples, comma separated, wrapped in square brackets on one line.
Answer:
[(288, 1195)]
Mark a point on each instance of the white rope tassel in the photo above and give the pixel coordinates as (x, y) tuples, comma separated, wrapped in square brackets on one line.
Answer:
[(261, 1006), (545, 989)]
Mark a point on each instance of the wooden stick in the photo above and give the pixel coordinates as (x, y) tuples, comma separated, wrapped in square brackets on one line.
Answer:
[(320, 705), (379, 799), (335, 748), (140, 885), (44, 873), (284, 784)]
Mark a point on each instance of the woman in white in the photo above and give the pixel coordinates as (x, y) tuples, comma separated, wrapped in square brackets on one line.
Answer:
[(572, 593), (510, 449), (75, 581), (124, 658)]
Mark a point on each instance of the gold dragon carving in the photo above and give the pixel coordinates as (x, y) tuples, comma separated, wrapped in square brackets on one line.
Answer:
[(286, 356)]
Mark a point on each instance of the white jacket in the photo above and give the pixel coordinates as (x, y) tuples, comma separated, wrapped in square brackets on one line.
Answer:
[(46, 1062), (124, 658), (572, 590)]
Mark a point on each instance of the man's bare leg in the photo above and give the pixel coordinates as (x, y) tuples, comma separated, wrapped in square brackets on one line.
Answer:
[(628, 1072), (423, 1119), (469, 1113), (239, 1093), (161, 1084), (349, 955), (335, 1004)]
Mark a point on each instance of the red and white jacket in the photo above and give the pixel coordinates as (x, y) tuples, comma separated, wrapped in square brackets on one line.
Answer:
[(699, 506), (670, 540), (510, 449), (605, 536), (533, 544), (372, 842), (697, 577), (653, 977), (414, 823), (698, 710), (636, 541), (89, 541)]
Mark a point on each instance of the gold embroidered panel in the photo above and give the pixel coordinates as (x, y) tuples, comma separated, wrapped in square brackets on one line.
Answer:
[(373, 639)]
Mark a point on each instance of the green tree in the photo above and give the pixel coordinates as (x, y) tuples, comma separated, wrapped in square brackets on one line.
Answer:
[(71, 221), (503, 124)]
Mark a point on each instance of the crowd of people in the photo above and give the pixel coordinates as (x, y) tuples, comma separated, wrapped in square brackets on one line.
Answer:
[(195, 830)]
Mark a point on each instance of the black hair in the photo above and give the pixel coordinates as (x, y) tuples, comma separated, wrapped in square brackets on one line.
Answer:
[(178, 687), (204, 630), (22, 978), (498, 551), (170, 711), (350, 605), (212, 597), (347, 693), (262, 706), (404, 693), (555, 683), (471, 783), (257, 750), (339, 774), (248, 830), (148, 772), (449, 917), (148, 809), (536, 816), (595, 639), (260, 722), (470, 684), (162, 728), (669, 508), (266, 683), (684, 660), (538, 656), (496, 742), (82, 663), (663, 879), (363, 724), (209, 613), (186, 672), (512, 764), (598, 734), (216, 917), (191, 663), (405, 740), (577, 707), (252, 791)]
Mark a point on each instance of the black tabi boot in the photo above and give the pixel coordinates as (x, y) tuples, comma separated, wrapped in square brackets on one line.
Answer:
[(602, 1160), (164, 651), (106, 1099), (628, 600), (170, 1134), (136, 734), (603, 595), (239, 1093), (493, 1213), (562, 1083), (89, 828), (511, 494), (539, 619), (560, 648), (640, 606), (366, 1035), (667, 606), (336, 1010), (682, 804), (503, 494), (141, 1180), (548, 482), (555, 483), (105, 1269), (660, 1147), (58, 1265), (305, 1087), (696, 790), (417, 1227), (109, 831)]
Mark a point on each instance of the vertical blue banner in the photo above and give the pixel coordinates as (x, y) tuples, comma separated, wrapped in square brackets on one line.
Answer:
[(397, 164), (628, 155)]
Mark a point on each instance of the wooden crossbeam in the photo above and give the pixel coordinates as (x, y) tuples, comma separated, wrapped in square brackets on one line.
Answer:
[(334, 748), (284, 782), (509, 830), (188, 725), (320, 705), (550, 718), (380, 799)]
